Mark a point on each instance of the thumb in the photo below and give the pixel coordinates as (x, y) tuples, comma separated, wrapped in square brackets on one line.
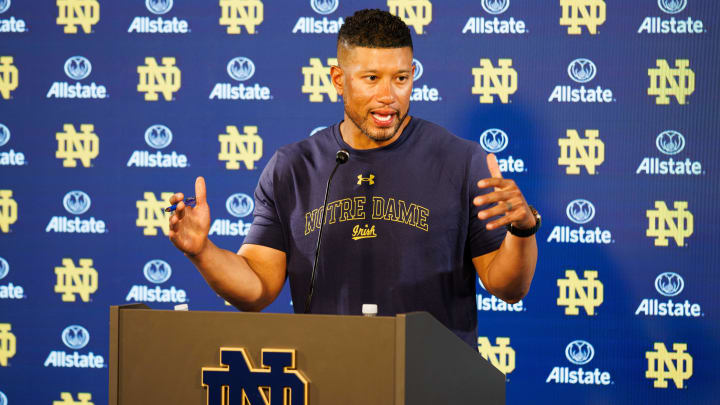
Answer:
[(493, 166), (200, 192)]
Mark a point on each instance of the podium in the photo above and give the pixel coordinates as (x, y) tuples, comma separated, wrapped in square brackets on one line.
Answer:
[(164, 357)]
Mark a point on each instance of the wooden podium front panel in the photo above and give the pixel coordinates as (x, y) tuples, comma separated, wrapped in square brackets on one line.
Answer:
[(160, 353)]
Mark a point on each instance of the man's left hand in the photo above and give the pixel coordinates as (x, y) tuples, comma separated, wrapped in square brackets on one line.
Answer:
[(510, 200)]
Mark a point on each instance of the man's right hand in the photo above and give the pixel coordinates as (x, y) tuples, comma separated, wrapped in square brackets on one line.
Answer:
[(189, 226)]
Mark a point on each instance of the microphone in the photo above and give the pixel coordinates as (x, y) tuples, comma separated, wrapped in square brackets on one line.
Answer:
[(341, 157)]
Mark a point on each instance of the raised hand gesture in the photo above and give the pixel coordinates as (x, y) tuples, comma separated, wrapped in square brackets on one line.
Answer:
[(189, 226)]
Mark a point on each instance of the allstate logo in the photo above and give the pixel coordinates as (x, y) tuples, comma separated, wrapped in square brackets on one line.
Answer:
[(240, 205), (75, 337), (669, 284), (241, 68), (157, 271), (76, 202), (158, 136), (493, 140), (158, 6), (313, 132), (418, 69), (324, 6), (4, 268), (672, 6), (580, 211), (579, 352), (582, 70), (78, 67), (3, 398), (495, 6), (667, 142), (4, 134), (4, 6)]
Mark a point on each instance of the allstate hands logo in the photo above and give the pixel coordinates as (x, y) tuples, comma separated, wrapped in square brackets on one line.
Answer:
[(77, 67), (4, 134), (159, 6), (75, 337), (670, 142), (580, 211), (324, 7), (157, 271), (582, 70), (241, 68), (158, 136), (493, 140), (76, 202), (495, 6), (4, 268), (4, 6), (669, 284), (579, 352), (672, 6), (240, 205)]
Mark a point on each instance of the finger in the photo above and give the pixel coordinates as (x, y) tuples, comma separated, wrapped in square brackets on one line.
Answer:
[(177, 197), (493, 197), (502, 221), (180, 210), (493, 166), (493, 182), (200, 191), (499, 209)]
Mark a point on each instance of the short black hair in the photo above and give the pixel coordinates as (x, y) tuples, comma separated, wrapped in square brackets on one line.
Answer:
[(373, 28)]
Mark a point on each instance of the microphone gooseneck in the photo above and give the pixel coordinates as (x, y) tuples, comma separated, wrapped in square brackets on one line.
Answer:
[(341, 157)]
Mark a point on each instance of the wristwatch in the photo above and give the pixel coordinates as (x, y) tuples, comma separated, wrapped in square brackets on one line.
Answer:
[(524, 233)]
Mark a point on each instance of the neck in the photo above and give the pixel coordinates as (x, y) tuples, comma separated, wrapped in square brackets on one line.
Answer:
[(353, 136)]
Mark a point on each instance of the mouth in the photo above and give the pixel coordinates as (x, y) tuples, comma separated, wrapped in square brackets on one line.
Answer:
[(383, 118)]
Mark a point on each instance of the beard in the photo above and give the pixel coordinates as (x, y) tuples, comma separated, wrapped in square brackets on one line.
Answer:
[(376, 134)]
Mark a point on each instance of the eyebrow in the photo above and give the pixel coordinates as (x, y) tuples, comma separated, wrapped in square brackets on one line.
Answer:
[(376, 71)]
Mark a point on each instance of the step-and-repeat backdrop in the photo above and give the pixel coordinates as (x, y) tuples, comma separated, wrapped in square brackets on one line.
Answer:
[(604, 111)]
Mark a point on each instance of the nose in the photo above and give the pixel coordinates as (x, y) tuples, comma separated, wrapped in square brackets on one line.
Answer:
[(386, 93)]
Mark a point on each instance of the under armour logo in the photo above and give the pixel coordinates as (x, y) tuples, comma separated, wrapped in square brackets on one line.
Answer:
[(370, 179)]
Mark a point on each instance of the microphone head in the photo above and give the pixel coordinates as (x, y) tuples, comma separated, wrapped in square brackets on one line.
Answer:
[(342, 156)]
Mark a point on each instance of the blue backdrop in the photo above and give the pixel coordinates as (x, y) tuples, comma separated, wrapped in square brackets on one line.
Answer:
[(603, 111)]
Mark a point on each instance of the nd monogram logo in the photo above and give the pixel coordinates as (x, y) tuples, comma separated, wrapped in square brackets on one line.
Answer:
[(7, 344), (664, 365), (73, 146), (590, 13), (66, 398), (576, 151), (151, 213), (489, 80), (665, 81), (241, 12), (72, 280), (72, 13), (8, 76), (502, 356), (415, 13), (235, 147), (664, 223), (153, 78), (317, 80), (575, 292), (8, 210), (277, 377)]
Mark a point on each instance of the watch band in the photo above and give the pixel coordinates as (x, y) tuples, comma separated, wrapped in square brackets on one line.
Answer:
[(524, 233)]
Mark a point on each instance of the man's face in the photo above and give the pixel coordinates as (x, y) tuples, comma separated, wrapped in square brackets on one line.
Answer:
[(376, 89)]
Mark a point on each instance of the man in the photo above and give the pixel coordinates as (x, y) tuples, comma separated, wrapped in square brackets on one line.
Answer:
[(408, 225)]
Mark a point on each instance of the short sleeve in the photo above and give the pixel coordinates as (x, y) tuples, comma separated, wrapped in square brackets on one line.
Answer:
[(481, 240), (266, 229)]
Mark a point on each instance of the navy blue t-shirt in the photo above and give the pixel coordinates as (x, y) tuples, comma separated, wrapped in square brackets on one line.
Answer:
[(400, 228)]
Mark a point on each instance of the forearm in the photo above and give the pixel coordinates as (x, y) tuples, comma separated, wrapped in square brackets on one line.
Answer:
[(511, 270), (231, 277)]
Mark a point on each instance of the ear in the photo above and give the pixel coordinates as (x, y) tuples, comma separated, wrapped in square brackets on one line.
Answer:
[(338, 79)]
